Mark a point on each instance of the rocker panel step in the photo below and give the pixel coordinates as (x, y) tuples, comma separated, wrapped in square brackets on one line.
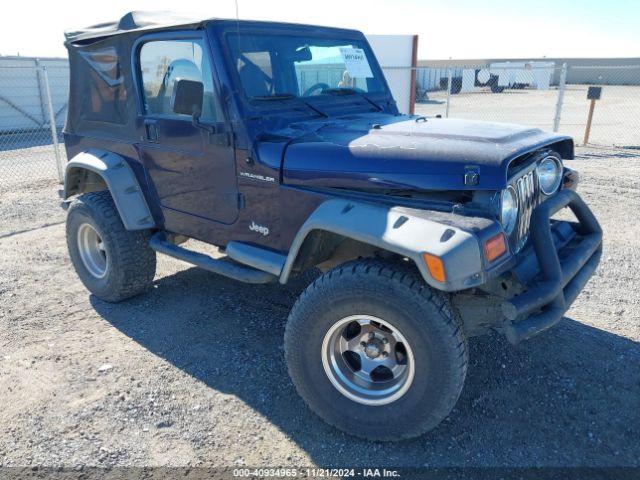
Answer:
[(160, 243), (256, 257)]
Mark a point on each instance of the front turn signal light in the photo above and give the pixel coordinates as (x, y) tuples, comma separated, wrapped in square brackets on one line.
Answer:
[(495, 247), (435, 266)]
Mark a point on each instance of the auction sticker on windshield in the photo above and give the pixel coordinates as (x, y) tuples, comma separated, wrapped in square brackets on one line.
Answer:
[(356, 62)]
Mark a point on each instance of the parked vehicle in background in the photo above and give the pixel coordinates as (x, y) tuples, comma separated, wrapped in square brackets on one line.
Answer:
[(502, 75), (426, 230), (517, 75)]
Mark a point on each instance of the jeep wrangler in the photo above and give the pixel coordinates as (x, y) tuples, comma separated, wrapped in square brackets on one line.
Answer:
[(282, 145)]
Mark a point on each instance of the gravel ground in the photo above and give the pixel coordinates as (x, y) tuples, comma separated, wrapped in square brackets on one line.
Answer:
[(193, 374)]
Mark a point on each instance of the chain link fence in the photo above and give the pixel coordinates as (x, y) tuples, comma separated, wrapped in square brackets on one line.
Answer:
[(33, 101), (540, 94)]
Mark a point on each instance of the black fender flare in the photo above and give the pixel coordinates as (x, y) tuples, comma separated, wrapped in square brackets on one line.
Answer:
[(407, 232), (120, 180)]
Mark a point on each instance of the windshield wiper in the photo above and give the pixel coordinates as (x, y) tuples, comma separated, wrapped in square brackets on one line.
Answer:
[(319, 112), (340, 91), (352, 91), (288, 96), (275, 96)]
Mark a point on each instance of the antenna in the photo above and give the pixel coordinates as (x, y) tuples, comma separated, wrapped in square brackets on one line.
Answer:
[(237, 31)]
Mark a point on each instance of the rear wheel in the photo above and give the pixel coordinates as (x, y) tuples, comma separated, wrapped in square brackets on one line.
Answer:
[(112, 262), (375, 352)]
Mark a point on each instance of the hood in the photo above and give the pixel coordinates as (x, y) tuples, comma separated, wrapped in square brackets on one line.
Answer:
[(409, 153)]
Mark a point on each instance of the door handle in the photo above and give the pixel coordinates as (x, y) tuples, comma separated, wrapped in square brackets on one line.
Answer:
[(151, 131)]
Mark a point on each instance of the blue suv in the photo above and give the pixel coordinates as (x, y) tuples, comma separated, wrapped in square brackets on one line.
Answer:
[(282, 145)]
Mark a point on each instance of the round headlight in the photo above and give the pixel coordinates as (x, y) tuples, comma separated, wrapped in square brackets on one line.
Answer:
[(508, 209), (549, 172)]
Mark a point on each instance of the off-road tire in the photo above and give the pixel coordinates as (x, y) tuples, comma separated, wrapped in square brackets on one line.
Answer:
[(397, 293), (131, 263)]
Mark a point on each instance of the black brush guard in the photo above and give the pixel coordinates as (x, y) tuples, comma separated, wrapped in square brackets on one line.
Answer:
[(563, 274)]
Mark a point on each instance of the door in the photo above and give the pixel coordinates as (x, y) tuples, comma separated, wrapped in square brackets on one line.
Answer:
[(191, 167)]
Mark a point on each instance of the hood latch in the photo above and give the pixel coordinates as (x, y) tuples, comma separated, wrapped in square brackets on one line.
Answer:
[(471, 175)]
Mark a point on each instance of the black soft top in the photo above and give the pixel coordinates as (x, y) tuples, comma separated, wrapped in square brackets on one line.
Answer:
[(132, 22), (102, 100), (102, 94)]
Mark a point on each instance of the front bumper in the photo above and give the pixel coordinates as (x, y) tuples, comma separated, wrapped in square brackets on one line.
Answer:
[(565, 264)]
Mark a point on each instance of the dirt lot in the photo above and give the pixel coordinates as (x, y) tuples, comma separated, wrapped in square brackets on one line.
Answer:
[(193, 374)]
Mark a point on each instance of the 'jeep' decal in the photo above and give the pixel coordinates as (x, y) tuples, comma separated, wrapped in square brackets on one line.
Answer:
[(259, 228)]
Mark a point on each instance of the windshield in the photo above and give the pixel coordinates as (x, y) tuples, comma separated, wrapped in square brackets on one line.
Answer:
[(285, 66)]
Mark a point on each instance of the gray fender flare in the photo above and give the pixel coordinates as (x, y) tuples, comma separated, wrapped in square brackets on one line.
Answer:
[(407, 232), (121, 181)]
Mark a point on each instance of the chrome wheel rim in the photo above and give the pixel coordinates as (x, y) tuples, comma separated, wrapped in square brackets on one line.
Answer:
[(92, 250), (368, 360)]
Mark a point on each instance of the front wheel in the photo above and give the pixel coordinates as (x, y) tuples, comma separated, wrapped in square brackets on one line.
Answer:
[(376, 352)]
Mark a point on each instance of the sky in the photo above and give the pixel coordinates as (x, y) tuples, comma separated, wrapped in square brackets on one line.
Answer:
[(458, 29)]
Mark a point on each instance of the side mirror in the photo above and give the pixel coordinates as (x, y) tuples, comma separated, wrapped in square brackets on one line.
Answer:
[(187, 97)]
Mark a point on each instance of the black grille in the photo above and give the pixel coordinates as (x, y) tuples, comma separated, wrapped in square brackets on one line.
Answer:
[(528, 196)]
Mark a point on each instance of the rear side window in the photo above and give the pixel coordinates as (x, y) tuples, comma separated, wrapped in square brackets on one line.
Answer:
[(163, 63), (100, 79)]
